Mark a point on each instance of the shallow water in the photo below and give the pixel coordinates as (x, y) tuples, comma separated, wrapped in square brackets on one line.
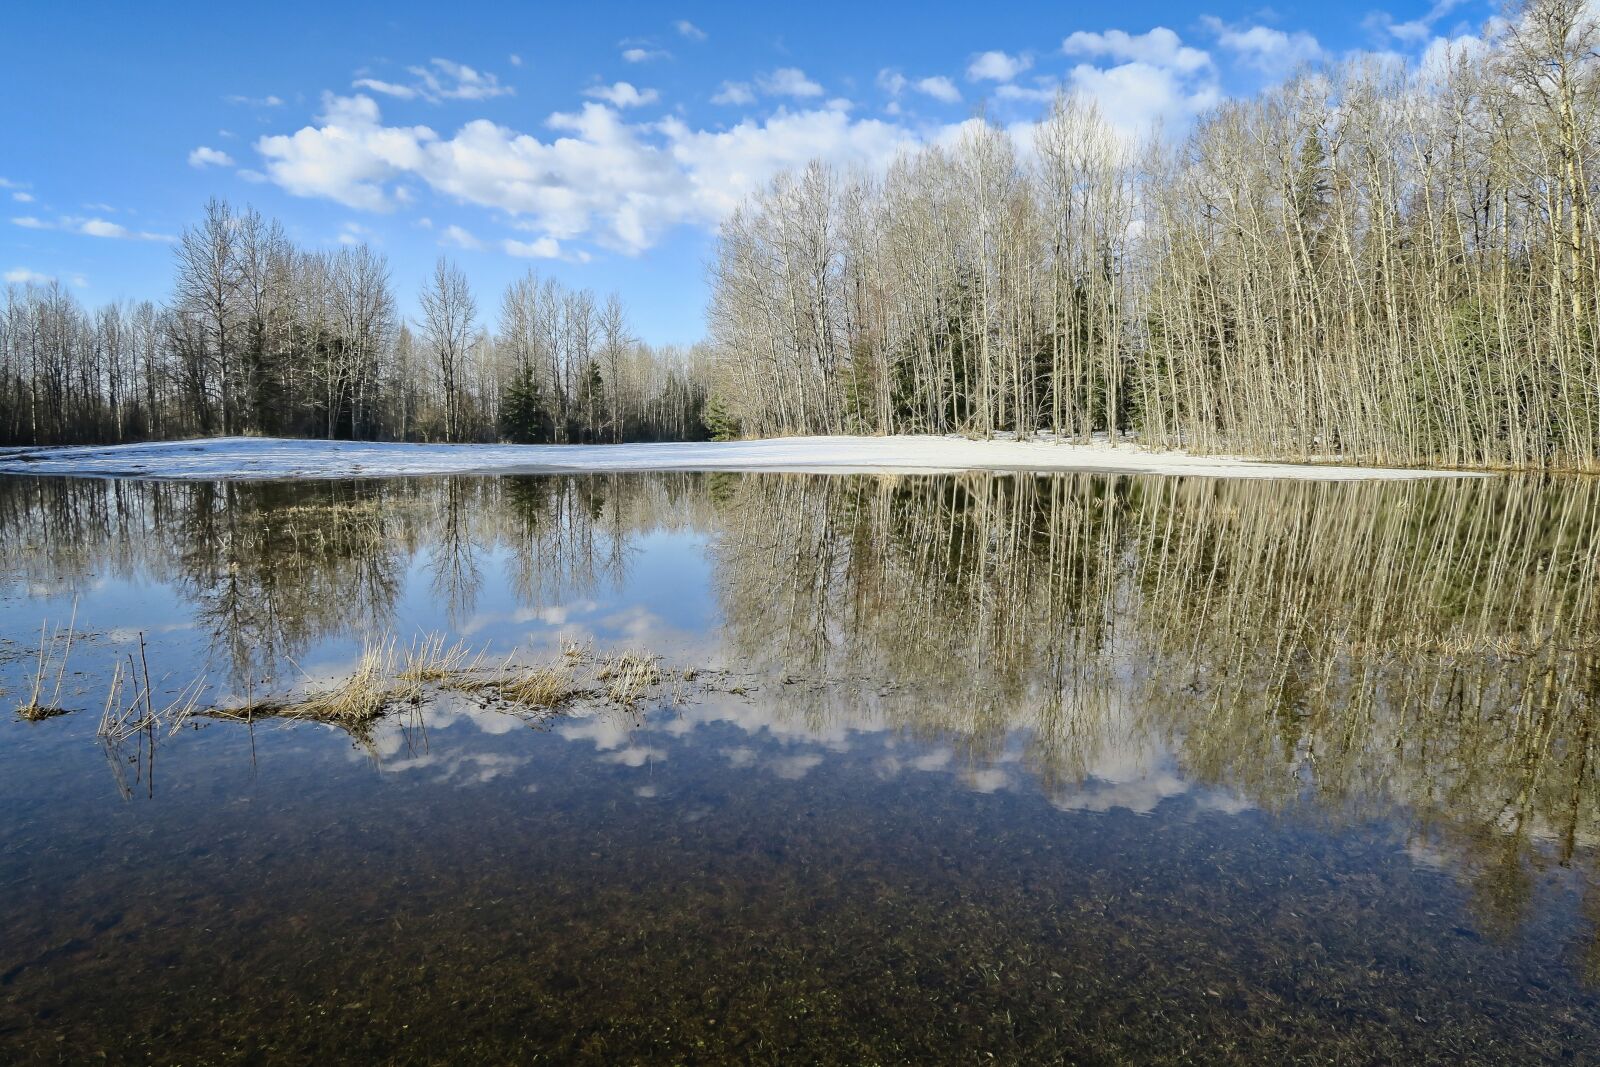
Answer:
[(1084, 768)]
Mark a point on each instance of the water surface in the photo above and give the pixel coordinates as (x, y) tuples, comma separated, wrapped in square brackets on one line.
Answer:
[(1084, 768)]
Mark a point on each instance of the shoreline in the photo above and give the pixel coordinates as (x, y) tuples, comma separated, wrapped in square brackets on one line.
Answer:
[(265, 458)]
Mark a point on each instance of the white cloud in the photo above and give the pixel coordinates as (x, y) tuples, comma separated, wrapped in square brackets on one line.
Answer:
[(940, 88), (21, 197), (623, 94), (24, 276), (209, 157), (1042, 93), (1159, 47), (644, 55), (543, 248), (1442, 53), (688, 29), (1154, 78), (460, 238), (514, 59), (997, 66), (255, 101), (788, 81), (1270, 51), (346, 158), (1136, 97), (599, 179), (440, 80), (1413, 31), (376, 85), (734, 93), (353, 233), (88, 227)]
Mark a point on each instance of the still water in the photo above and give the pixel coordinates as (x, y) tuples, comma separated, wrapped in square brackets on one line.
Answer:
[(976, 768)]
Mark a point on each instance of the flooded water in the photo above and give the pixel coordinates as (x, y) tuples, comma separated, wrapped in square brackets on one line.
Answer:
[(977, 768)]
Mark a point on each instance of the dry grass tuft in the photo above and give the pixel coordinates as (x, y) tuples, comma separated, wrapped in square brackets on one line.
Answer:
[(429, 659), (538, 687), (37, 707), (629, 677), (361, 699)]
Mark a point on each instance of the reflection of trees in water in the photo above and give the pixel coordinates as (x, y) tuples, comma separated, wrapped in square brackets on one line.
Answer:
[(269, 568), (1426, 647), (1422, 647)]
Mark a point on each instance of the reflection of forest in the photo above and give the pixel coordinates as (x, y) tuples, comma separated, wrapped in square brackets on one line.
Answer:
[(1422, 647), (1428, 648), (268, 568)]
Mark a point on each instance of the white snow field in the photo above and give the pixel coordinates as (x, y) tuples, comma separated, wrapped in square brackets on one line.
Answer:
[(242, 458)]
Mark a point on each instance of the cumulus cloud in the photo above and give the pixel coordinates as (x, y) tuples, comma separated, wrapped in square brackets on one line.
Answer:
[(1270, 51), (644, 55), (255, 101), (543, 248), (1136, 97), (597, 178), (940, 88), (623, 94), (439, 80), (788, 81), (688, 29), (1159, 47), (734, 93), (997, 66), (1042, 93), (24, 276), (209, 157), (21, 197), (1153, 79)]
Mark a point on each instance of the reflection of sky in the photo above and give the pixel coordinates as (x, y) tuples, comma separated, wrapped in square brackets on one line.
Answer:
[(665, 604)]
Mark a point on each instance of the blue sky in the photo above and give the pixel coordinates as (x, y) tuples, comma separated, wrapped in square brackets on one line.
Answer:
[(596, 142)]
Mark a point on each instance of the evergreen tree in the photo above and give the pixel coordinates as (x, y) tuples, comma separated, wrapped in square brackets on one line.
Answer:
[(523, 418)]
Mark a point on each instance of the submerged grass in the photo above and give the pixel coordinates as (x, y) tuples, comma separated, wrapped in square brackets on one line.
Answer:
[(37, 707), (389, 677)]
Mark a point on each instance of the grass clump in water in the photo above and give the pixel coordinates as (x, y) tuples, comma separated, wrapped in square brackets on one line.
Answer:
[(538, 687), (629, 677), (361, 698), (37, 708)]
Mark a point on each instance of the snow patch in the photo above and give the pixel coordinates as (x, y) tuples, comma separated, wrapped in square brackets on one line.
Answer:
[(246, 458)]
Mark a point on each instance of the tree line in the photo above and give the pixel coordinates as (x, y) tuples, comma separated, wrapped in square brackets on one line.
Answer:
[(1383, 263), (262, 337)]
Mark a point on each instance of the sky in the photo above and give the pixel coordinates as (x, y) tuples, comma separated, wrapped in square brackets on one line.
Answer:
[(599, 143)]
